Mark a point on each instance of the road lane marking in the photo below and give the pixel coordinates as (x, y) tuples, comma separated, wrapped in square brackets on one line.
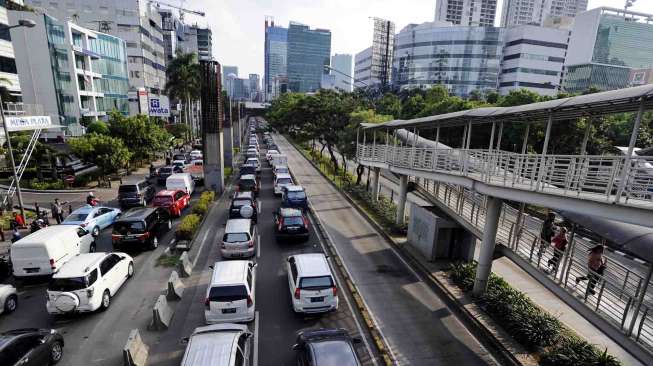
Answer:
[(260, 203), (197, 256), (223, 196), (258, 245), (256, 321)]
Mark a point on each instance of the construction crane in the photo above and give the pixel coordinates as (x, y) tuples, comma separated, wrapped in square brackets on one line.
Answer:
[(181, 8)]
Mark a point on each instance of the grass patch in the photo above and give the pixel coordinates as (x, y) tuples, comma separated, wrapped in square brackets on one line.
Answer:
[(167, 260), (228, 171)]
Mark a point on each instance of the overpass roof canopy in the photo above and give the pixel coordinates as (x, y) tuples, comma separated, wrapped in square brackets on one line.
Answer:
[(596, 104)]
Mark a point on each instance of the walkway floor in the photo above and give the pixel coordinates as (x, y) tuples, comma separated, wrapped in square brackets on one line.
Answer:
[(540, 295), (417, 325)]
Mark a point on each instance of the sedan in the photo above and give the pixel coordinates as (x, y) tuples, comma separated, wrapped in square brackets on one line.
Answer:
[(8, 299), (93, 219), (326, 347), (31, 347)]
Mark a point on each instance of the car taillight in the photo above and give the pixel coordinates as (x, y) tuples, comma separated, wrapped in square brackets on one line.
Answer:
[(250, 243), (144, 236), (335, 290), (249, 301), (52, 266), (280, 224), (237, 188), (206, 303), (115, 237), (305, 221), (297, 293)]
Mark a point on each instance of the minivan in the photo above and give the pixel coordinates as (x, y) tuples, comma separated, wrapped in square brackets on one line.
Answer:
[(239, 239), (230, 295), (219, 345), (140, 227), (183, 181), (135, 194), (248, 182), (45, 251), (312, 285)]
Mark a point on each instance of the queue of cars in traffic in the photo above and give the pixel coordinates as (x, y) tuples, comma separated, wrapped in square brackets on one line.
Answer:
[(230, 299)]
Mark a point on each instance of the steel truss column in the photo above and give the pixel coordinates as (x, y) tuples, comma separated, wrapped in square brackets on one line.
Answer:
[(487, 245)]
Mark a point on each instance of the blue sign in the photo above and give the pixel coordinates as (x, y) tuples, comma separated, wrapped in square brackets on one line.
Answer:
[(159, 107)]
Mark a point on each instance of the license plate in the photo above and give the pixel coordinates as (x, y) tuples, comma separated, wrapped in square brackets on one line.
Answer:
[(317, 299), (32, 270), (229, 311)]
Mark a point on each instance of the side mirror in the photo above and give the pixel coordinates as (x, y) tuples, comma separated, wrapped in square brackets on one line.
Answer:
[(296, 347)]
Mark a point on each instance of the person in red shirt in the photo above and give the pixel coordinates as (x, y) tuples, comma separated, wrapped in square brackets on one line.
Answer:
[(559, 242), (19, 220)]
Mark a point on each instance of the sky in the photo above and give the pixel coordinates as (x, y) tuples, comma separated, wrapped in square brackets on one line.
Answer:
[(238, 25)]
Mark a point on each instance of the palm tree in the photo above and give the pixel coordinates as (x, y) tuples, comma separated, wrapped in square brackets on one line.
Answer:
[(183, 83)]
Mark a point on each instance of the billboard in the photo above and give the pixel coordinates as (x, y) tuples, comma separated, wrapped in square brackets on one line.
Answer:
[(26, 123), (159, 106)]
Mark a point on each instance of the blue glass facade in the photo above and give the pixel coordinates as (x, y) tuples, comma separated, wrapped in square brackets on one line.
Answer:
[(276, 46), (308, 52), (112, 64), (462, 59), (60, 64)]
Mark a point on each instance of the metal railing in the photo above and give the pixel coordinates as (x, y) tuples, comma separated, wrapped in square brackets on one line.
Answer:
[(615, 293), (596, 177)]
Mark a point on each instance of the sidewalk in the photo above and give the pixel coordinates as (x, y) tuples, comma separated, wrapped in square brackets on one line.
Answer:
[(417, 326)]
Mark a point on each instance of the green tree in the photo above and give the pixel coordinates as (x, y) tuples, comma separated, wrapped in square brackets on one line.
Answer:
[(98, 127), (178, 130), (390, 104), (183, 81), (108, 153), (346, 143), (141, 136)]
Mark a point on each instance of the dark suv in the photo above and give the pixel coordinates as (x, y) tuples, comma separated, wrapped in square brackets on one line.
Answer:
[(290, 223), (326, 347), (135, 194), (248, 183), (30, 347), (294, 196), (140, 227), (243, 199)]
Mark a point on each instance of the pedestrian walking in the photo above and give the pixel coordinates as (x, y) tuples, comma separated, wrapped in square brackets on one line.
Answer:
[(57, 211), (560, 244), (596, 265), (19, 220), (546, 233)]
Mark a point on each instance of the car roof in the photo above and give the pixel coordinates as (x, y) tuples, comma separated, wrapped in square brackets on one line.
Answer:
[(333, 352), (229, 272), (312, 264), (79, 265), (137, 213), (212, 345), (294, 188), (167, 192), (46, 233), (280, 166), (283, 175), (248, 176), (8, 336), (237, 226), (289, 212), (243, 195)]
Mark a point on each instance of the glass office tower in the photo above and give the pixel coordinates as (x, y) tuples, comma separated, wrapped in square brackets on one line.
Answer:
[(308, 52), (276, 47)]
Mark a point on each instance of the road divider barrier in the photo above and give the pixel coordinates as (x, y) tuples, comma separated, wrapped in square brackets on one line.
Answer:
[(175, 287), (135, 351), (161, 314), (185, 266)]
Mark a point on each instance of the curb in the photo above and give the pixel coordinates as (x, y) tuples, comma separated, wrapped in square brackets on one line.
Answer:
[(486, 338)]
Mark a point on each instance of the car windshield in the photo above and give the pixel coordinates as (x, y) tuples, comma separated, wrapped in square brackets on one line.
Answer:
[(162, 200), (284, 181), (127, 227), (246, 183), (282, 170), (316, 283), (67, 284), (296, 195), (293, 221), (76, 217), (130, 188), (239, 203), (228, 293), (235, 237)]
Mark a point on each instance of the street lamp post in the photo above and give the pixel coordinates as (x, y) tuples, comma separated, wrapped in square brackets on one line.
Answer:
[(27, 23)]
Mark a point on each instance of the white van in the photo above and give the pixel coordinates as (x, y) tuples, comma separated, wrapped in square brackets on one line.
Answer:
[(239, 239), (183, 181), (312, 285), (45, 251), (230, 295), (278, 159), (219, 345)]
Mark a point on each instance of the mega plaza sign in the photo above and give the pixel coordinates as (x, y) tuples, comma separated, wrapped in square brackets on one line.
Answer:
[(27, 123)]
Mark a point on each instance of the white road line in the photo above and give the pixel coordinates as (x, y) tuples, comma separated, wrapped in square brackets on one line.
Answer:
[(199, 251), (260, 203), (258, 245), (256, 321)]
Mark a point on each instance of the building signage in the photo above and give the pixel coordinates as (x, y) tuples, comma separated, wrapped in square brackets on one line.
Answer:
[(159, 107), (26, 123)]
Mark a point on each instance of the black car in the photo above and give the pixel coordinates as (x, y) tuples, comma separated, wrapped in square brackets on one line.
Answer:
[(294, 196), (180, 156), (248, 183), (135, 194), (165, 172), (290, 223), (140, 227), (326, 347), (30, 347), (243, 199), (246, 169)]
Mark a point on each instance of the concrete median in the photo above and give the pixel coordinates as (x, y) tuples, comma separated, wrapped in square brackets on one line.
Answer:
[(161, 314), (135, 351), (175, 287), (185, 266)]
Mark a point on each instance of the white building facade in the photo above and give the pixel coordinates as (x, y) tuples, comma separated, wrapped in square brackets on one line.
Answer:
[(363, 69), (535, 12), (342, 77), (533, 59), (8, 72), (466, 12)]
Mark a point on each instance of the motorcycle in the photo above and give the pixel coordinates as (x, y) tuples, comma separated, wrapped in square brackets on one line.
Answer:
[(37, 225)]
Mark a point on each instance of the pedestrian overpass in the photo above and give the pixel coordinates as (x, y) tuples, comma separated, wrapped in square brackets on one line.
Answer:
[(472, 183)]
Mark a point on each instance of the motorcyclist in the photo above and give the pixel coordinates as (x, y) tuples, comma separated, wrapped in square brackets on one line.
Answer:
[(37, 225), (91, 200)]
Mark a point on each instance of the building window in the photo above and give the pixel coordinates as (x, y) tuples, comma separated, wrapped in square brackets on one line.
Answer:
[(7, 65)]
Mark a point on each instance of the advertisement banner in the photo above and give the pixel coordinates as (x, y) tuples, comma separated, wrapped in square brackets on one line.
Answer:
[(26, 123), (159, 106)]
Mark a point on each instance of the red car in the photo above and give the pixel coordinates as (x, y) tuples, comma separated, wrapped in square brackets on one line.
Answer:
[(173, 200)]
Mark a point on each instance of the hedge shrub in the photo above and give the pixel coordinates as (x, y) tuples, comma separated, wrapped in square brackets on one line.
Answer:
[(188, 227), (531, 326), (383, 209), (44, 185), (201, 208), (208, 197)]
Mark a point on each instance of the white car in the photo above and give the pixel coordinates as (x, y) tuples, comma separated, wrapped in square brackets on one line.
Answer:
[(8, 299), (312, 285), (230, 296), (87, 282), (254, 161), (269, 153), (196, 155), (281, 180), (280, 169)]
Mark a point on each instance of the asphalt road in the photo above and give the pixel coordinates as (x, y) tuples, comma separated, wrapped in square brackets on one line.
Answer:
[(276, 324)]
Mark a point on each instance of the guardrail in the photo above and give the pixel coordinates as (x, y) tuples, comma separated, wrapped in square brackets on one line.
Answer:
[(608, 178)]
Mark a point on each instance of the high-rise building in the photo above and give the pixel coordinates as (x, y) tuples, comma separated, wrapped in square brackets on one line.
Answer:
[(467, 12), (533, 57), (8, 72), (138, 23), (462, 59), (275, 57), (172, 31), (308, 52), (343, 74), (604, 46), (535, 12), (373, 65), (229, 74), (71, 71), (204, 43), (254, 87)]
